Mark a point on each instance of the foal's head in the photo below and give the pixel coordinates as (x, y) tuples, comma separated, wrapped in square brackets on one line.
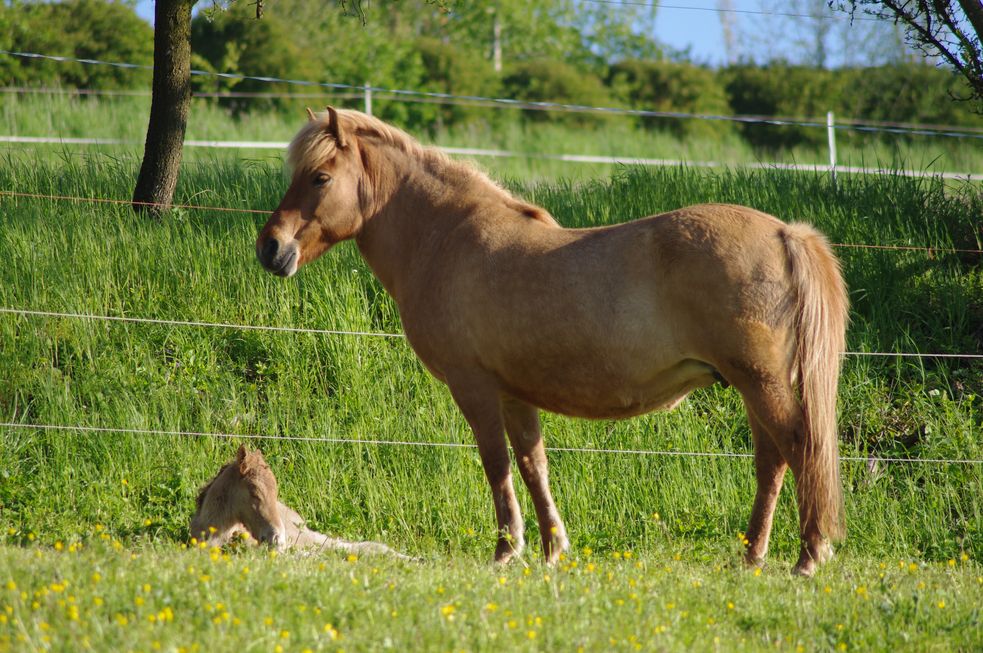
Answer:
[(322, 206), (244, 492)]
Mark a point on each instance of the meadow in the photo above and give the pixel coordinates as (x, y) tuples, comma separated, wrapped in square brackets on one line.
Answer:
[(107, 425)]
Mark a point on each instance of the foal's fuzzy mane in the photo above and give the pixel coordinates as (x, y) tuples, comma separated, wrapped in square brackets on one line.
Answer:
[(315, 144)]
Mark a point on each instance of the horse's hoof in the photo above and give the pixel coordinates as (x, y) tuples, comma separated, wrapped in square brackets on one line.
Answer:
[(753, 561), (804, 569)]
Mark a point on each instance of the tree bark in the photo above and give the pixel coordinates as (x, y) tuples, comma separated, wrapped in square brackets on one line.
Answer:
[(169, 107)]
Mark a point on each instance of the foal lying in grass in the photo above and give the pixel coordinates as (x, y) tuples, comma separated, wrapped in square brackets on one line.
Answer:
[(242, 498)]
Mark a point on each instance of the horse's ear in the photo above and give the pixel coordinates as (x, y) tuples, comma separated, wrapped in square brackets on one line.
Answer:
[(310, 115), (334, 127), (241, 458)]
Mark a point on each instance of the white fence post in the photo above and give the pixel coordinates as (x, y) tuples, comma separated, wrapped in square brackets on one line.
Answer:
[(368, 98), (831, 137)]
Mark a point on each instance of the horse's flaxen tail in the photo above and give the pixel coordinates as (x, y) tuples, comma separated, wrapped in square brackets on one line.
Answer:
[(821, 321)]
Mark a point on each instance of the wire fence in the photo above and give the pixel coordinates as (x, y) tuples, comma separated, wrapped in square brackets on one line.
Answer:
[(458, 445), (831, 168), (340, 332), (398, 93), (931, 251), (270, 95)]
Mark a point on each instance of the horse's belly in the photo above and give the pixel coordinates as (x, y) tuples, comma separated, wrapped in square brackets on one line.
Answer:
[(607, 395)]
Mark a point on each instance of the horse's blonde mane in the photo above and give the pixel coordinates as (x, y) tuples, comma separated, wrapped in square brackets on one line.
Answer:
[(315, 144)]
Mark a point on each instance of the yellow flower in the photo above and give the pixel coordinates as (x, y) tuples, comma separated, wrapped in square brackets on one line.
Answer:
[(531, 634), (331, 632), (284, 634), (940, 604), (448, 610), (491, 607), (11, 585)]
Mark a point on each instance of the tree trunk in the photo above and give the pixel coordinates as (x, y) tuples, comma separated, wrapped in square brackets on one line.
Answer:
[(169, 106)]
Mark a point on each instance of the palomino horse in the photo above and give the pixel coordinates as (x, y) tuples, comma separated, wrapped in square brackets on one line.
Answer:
[(516, 314), (243, 497)]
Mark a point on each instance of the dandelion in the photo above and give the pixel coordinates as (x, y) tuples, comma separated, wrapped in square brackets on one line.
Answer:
[(531, 634), (730, 605), (148, 521), (940, 605), (491, 607), (331, 632), (964, 556), (59, 546), (757, 571), (284, 634), (11, 585), (448, 611), (352, 557), (952, 562)]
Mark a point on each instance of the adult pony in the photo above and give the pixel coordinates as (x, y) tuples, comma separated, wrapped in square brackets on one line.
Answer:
[(515, 313)]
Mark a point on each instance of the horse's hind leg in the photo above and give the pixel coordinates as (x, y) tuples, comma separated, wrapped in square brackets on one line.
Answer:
[(770, 400), (480, 403), (522, 425), (769, 469)]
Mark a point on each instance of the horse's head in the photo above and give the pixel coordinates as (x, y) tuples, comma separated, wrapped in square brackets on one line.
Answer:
[(322, 205), (243, 494), (256, 498)]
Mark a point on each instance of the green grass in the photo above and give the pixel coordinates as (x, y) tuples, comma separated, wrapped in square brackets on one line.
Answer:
[(59, 484), (125, 118), (107, 597)]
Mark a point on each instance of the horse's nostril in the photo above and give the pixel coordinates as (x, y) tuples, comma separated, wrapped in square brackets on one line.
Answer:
[(270, 250)]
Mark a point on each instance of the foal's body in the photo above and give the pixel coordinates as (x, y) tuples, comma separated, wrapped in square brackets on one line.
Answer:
[(517, 314)]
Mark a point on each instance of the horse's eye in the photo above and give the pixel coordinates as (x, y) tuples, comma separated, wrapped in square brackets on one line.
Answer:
[(322, 179)]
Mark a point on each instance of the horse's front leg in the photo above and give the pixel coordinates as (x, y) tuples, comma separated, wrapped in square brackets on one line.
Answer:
[(522, 425), (478, 399)]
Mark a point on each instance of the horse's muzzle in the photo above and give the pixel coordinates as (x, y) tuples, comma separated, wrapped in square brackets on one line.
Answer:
[(280, 259)]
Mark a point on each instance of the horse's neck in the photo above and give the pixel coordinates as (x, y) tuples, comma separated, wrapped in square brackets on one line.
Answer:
[(414, 208)]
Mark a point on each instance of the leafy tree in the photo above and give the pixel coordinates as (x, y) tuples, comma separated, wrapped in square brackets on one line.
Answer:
[(672, 86), (86, 29), (785, 91), (546, 80), (949, 29), (448, 68)]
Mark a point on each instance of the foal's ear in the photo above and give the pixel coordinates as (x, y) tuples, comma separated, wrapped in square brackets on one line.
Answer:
[(310, 115), (241, 457), (334, 127)]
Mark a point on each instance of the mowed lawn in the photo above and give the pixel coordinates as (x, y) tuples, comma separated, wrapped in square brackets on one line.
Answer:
[(109, 430)]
